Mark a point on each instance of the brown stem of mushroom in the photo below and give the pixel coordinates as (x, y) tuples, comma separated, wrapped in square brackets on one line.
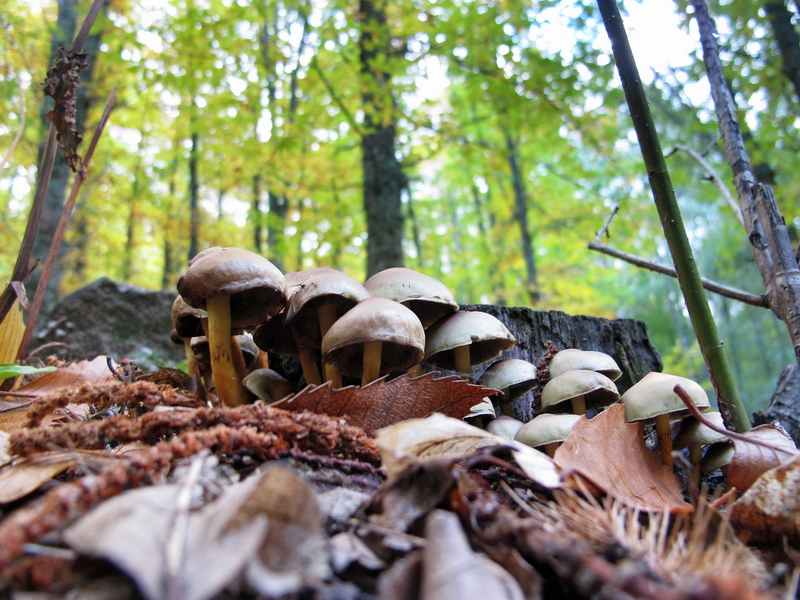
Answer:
[(229, 387), (262, 359), (578, 405), (309, 364), (664, 439), (550, 449), (326, 313), (238, 358), (371, 366), (506, 405), (461, 355)]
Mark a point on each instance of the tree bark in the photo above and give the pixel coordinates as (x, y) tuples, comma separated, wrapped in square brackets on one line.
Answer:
[(257, 214), (66, 26), (780, 19), (383, 175), (194, 209)]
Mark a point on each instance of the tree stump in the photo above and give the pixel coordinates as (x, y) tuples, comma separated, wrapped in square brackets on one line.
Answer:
[(784, 406)]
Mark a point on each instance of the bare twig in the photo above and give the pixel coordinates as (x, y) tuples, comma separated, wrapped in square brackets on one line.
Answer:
[(607, 225), (711, 286), (18, 135), (716, 180), (58, 236)]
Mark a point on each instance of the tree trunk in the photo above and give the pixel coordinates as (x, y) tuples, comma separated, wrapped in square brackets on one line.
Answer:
[(256, 214), (276, 221), (63, 35), (194, 210), (521, 214), (780, 19), (384, 180)]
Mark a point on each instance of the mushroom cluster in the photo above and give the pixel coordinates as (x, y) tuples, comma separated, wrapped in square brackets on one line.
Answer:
[(342, 331)]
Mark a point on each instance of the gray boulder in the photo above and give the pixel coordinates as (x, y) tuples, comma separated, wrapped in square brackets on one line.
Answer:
[(106, 317)]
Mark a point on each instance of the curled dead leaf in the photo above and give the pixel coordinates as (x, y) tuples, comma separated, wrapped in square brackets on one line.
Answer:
[(611, 454), (750, 460)]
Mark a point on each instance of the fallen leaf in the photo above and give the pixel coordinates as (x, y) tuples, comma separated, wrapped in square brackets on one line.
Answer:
[(439, 437), (769, 511), (11, 331), (93, 371), (750, 461), (138, 532), (382, 403), (611, 454), (452, 571)]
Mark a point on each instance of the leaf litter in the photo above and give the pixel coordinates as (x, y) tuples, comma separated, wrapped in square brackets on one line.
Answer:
[(258, 501)]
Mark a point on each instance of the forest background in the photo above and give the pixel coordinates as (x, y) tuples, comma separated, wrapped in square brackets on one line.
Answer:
[(482, 143)]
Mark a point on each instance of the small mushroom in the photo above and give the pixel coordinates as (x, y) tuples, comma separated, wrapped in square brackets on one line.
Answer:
[(588, 360), (187, 322), (268, 385), (514, 378), (718, 456), (427, 297), (466, 338), (547, 430), (694, 436), (504, 426), (237, 289), (653, 400), (577, 387), (375, 337)]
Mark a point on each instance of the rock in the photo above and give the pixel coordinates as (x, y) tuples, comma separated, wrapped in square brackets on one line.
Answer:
[(107, 317)]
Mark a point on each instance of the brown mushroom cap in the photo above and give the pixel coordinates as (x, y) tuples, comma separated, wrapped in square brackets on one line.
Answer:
[(427, 297), (504, 426), (588, 360), (598, 390), (321, 287), (255, 285), (653, 395), (485, 334), (512, 375), (268, 385), (375, 319), (273, 336), (546, 429), (187, 320)]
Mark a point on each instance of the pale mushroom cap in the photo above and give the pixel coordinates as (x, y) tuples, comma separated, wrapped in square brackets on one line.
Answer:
[(255, 285), (268, 385), (504, 426), (374, 320), (598, 389), (187, 320), (487, 336), (323, 286), (588, 360), (693, 431), (513, 375), (429, 298), (653, 395), (717, 456), (546, 429)]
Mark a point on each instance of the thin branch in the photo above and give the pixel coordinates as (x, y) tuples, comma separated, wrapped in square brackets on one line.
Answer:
[(606, 225), (18, 135), (716, 180), (730, 402), (335, 97), (711, 286), (83, 34), (58, 236)]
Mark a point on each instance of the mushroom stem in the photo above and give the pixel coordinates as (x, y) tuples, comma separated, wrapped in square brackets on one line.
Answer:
[(326, 313), (262, 359), (415, 371), (506, 405), (238, 358), (371, 366), (550, 449), (229, 388), (462, 360), (191, 358), (695, 455), (579, 405), (664, 439), (309, 364)]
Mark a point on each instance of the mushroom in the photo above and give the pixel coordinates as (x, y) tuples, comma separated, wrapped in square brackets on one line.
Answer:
[(237, 289), (466, 338), (718, 456), (320, 297), (268, 385), (588, 360), (547, 430), (694, 435), (187, 322), (653, 400), (577, 387), (427, 297), (375, 337), (504, 426), (514, 378)]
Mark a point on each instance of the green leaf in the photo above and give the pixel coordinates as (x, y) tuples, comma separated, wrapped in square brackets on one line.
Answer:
[(13, 370)]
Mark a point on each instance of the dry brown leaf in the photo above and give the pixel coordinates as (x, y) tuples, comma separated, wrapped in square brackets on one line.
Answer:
[(770, 509), (452, 571), (383, 403), (750, 461), (169, 551), (611, 454), (439, 437)]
